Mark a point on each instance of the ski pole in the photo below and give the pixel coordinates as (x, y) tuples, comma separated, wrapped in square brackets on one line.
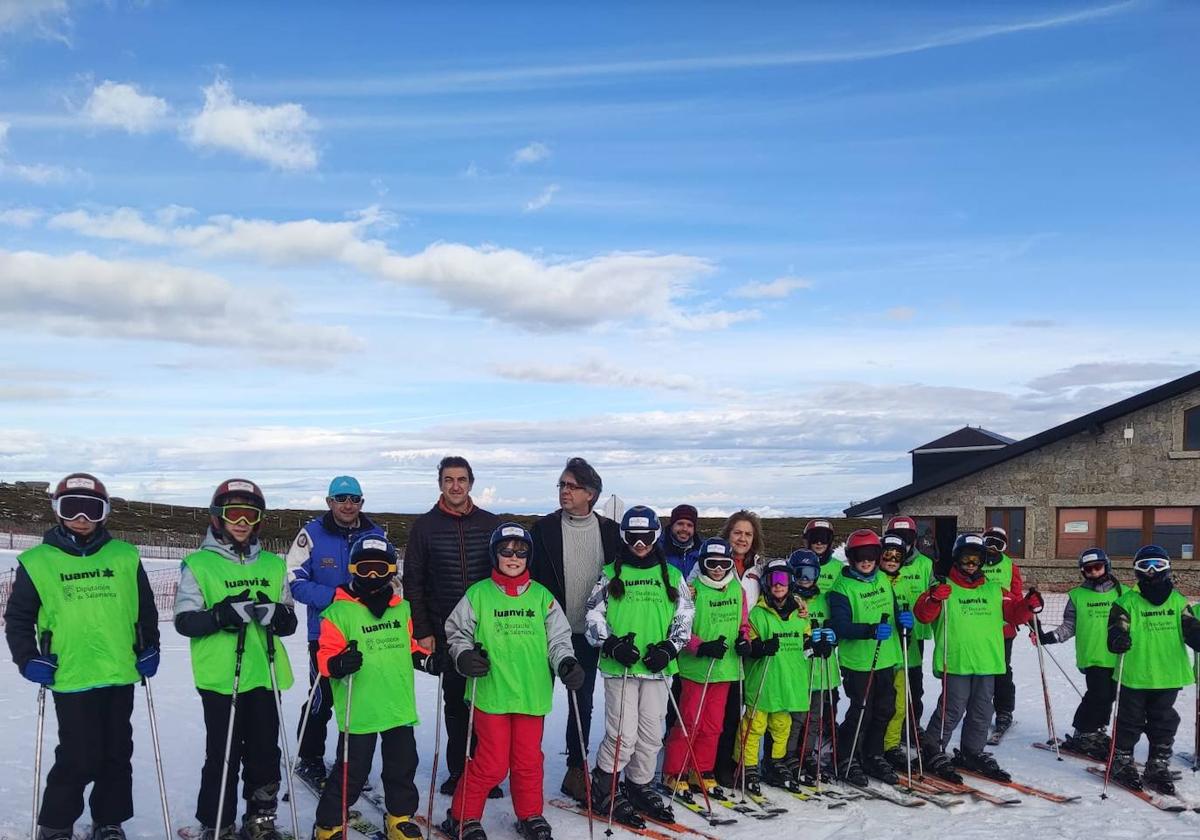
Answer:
[(747, 721), (158, 765), (437, 748), (1045, 688), (462, 808), (583, 751), (283, 739), (1062, 670), (907, 707), (312, 694), (833, 745), (822, 711), (612, 793), (237, 678), (803, 751), (43, 649), (1112, 744), (1196, 742), (346, 750), (883, 619), (691, 756), (945, 669)]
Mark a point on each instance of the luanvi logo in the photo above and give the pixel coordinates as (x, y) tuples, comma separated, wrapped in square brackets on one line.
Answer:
[(95, 573)]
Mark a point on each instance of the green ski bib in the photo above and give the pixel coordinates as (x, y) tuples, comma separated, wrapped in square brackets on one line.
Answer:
[(383, 692), (1158, 658), (1091, 626), (826, 672), (975, 632), (1000, 573), (869, 601), (779, 683), (644, 610), (912, 580), (513, 632), (718, 613)]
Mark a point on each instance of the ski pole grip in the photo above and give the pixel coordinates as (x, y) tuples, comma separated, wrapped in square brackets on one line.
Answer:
[(44, 642)]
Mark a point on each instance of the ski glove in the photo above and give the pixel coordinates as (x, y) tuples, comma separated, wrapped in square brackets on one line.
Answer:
[(743, 647), (1034, 601), (820, 645), (345, 663), (658, 656), (622, 649), (41, 669), (473, 662), (280, 619), (1046, 637), (147, 662), (905, 620), (762, 648), (715, 649), (939, 591), (883, 632), (571, 673), (1119, 640), (233, 611)]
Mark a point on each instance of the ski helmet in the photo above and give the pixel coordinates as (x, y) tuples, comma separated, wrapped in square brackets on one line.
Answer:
[(805, 566), (997, 538), (509, 531), (80, 494), (818, 528), (372, 563), (777, 572), (905, 527), (715, 553), (640, 520), (968, 544), (1095, 555), (236, 488), (1151, 561), (864, 544), (893, 542)]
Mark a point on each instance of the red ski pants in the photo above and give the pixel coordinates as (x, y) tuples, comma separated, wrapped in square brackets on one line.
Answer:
[(705, 734), (509, 745)]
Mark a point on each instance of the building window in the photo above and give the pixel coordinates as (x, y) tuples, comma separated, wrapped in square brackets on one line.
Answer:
[(1191, 429), (1011, 520), (1172, 529), (1123, 532), (1076, 531)]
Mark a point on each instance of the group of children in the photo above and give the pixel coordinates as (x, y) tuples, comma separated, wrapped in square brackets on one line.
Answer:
[(81, 621)]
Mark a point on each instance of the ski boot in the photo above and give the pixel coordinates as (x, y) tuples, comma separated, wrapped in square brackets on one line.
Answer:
[(812, 769), (981, 762), (259, 821), (467, 829), (897, 757), (677, 787), (574, 784), (320, 832), (645, 799), (402, 828), (707, 783), (791, 766), (534, 828), (940, 765), (878, 767), (1001, 726), (1124, 771), (47, 833), (852, 772), (1157, 775), (606, 798), (107, 832), (448, 787), (1092, 744), (751, 780), (312, 772), (775, 773)]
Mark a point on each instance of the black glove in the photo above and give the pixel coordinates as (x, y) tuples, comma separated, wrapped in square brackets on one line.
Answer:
[(714, 649), (572, 674), (822, 647), (1047, 637), (622, 649), (1119, 640), (473, 662), (279, 619), (345, 663), (659, 656), (432, 664), (760, 648), (743, 647), (233, 611)]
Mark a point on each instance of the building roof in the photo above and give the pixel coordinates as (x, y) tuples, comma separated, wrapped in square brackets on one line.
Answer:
[(968, 437), (1094, 421)]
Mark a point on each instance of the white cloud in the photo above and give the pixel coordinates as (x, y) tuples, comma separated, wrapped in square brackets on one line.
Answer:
[(33, 173), (280, 135), (542, 199), (47, 18), (532, 153), (597, 372), (1109, 373), (775, 289), (81, 294), (118, 105), (20, 217), (901, 313), (504, 284)]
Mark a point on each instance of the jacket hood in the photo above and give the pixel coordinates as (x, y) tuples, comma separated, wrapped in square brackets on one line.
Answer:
[(213, 543), (65, 540)]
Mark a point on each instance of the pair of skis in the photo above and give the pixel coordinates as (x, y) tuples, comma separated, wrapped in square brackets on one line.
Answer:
[(1161, 801)]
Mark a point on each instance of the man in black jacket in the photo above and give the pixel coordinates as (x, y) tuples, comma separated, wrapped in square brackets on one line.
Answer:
[(570, 547), (447, 551)]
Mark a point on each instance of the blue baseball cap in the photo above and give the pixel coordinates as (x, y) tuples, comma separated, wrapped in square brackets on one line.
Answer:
[(345, 484)]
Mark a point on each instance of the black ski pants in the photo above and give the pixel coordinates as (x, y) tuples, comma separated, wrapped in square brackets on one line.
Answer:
[(95, 746), (1005, 699), (1148, 710), (879, 704), (1095, 709), (312, 746), (399, 767), (254, 749), (726, 764)]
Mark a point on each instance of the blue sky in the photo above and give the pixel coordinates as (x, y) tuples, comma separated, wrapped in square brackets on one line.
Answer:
[(732, 258)]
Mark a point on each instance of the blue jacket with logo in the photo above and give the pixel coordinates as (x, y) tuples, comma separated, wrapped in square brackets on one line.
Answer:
[(682, 558), (318, 563)]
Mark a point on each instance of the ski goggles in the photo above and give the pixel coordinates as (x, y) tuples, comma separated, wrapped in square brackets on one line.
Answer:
[(807, 575), (998, 543), (1152, 565), (1094, 568), (892, 553), (342, 498), (636, 538), (372, 567), (779, 577), (241, 514), (717, 562), (89, 507), (522, 553)]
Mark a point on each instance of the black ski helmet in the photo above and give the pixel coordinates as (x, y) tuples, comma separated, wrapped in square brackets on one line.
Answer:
[(968, 544), (509, 531), (1095, 555)]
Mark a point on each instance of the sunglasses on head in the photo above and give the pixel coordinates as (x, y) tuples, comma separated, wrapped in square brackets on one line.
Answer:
[(241, 514), (645, 538), (1152, 564), (89, 507), (372, 567), (348, 497), (512, 552)]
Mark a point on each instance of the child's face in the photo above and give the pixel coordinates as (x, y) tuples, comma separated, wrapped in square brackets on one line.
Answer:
[(779, 591), (890, 560), (514, 557)]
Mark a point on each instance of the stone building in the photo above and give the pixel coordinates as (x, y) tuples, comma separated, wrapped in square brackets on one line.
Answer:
[(1119, 477)]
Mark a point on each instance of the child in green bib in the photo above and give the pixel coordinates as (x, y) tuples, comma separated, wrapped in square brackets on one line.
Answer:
[(814, 731), (1085, 619), (507, 635), (1150, 628)]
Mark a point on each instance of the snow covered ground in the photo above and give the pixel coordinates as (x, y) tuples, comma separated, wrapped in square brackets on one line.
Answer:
[(178, 706)]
